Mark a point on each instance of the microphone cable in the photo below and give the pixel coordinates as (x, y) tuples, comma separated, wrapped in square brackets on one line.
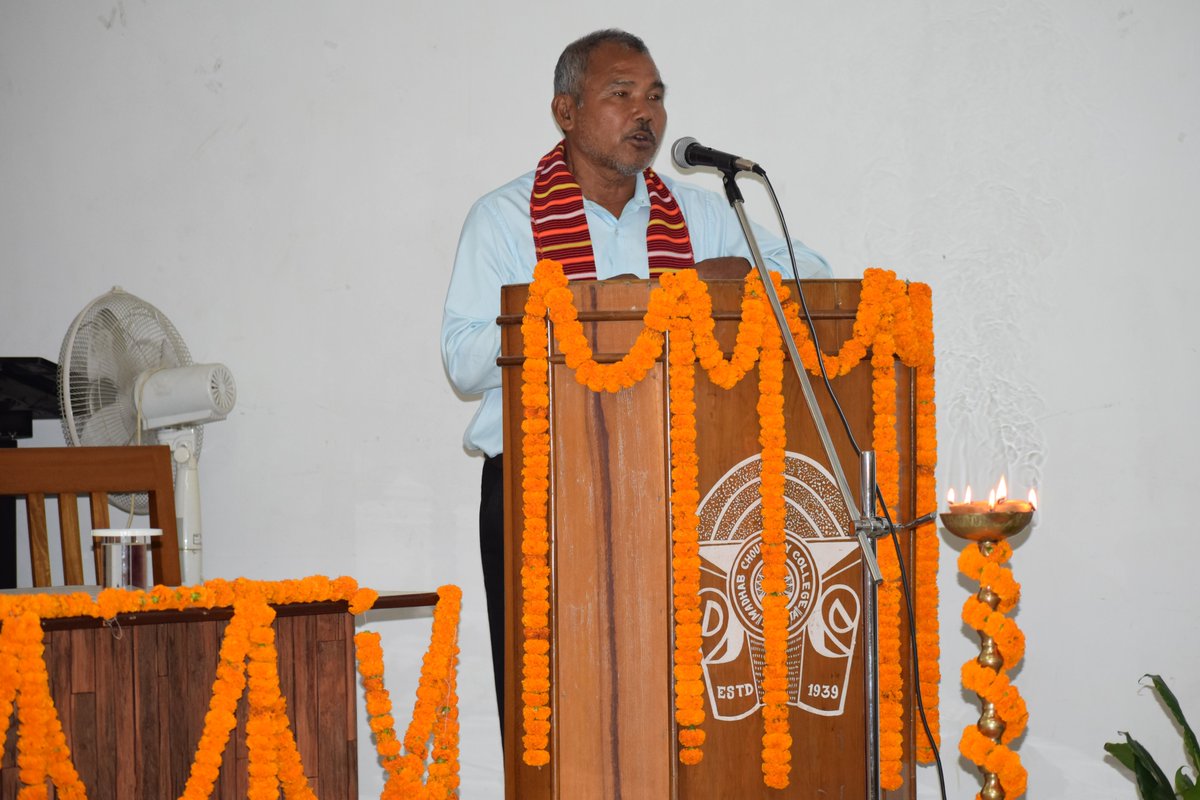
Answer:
[(908, 601)]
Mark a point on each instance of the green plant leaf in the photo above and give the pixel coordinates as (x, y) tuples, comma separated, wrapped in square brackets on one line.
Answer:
[(1148, 786), (1152, 782), (1122, 752), (1190, 794), (1189, 738), (1183, 782)]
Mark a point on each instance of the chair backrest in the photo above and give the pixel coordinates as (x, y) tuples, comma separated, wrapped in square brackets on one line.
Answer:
[(94, 472)]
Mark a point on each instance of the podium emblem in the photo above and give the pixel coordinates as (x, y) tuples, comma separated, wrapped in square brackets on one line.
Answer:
[(824, 607)]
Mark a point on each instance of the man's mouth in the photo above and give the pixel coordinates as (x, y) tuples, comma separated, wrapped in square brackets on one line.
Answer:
[(643, 138)]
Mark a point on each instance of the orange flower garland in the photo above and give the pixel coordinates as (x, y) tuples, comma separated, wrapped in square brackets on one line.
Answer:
[(689, 686), (220, 720), (247, 663), (376, 698), (42, 751), (444, 766), (885, 306), (435, 713), (435, 691), (535, 536), (727, 374), (887, 459), (985, 564), (267, 718), (894, 320), (776, 741), (928, 544), (10, 670)]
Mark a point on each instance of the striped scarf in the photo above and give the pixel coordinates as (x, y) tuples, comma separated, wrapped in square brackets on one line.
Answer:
[(560, 229)]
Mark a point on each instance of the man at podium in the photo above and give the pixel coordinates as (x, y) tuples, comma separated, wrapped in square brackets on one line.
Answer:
[(594, 204)]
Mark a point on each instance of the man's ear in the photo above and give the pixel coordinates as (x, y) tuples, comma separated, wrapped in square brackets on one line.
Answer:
[(563, 107)]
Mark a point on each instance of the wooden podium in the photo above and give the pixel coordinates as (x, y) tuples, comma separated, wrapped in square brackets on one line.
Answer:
[(614, 734)]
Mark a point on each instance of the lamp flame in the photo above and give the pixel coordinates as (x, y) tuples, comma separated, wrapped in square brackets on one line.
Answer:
[(967, 496), (992, 500), (1002, 489), (950, 497), (1033, 499)]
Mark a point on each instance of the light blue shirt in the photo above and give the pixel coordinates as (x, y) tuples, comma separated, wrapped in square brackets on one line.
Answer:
[(496, 249)]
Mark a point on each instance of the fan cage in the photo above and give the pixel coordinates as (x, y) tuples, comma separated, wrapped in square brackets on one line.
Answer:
[(115, 338)]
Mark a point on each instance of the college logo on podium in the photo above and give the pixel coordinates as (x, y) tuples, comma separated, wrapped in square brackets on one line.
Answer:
[(823, 596)]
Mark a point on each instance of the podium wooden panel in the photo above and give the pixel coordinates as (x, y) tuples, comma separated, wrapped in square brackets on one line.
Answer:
[(132, 698), (611, 604)]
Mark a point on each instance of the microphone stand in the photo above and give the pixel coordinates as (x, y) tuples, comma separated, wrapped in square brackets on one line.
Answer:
[(867, 526)]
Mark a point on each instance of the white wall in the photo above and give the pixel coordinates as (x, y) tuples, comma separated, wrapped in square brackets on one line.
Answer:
[(286, 181)]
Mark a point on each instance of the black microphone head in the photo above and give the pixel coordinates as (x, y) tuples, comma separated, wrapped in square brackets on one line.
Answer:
[(679, 152)]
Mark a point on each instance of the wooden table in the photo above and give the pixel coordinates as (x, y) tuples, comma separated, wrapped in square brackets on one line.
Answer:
[(132, 697)]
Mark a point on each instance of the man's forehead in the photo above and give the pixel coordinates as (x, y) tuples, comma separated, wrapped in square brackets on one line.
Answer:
[(613, 63)]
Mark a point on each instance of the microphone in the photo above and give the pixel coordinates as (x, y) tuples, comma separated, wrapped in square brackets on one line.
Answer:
[(687, 152)]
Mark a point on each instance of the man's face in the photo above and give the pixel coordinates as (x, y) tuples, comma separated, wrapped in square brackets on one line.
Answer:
[(618, 122)]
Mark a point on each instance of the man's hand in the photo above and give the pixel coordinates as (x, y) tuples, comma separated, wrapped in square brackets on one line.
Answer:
[(727, 268)]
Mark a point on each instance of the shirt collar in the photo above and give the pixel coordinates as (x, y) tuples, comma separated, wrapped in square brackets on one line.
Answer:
[(640, 200), (641, 195)]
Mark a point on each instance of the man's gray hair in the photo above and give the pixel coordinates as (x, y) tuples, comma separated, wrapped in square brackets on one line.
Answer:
[(572, 64)]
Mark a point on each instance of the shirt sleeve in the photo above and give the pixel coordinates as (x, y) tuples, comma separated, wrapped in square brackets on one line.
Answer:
[(470, 335), (716, 232), (809, 263)]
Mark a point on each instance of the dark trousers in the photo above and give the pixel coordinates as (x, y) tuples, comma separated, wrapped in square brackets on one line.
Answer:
[(491, 551)]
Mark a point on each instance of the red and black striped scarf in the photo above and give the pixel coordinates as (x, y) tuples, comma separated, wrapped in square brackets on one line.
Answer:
[(560, 229)]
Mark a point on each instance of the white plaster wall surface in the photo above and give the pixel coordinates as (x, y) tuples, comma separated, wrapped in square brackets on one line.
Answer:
[(286, 182)]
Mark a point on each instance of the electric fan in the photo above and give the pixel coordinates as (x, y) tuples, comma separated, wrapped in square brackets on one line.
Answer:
[(124, 369)]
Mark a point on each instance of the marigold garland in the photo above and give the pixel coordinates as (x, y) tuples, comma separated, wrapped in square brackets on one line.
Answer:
[(42, 752), (10, 670), (894, 320), (220, 720), (887, 459), (435, 713), (776, 740), (984, 564), (685, 561), (247, 663), (535, 537), (927, 542)]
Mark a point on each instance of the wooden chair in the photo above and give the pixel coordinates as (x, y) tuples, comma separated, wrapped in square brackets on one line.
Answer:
[(35, 472)]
